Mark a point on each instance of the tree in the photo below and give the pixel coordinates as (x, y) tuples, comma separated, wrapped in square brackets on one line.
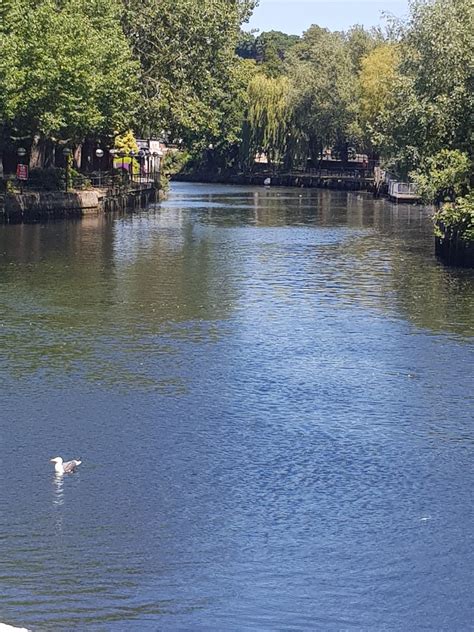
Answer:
[(377, 80), (186, 49), (323, 91), (245, 47), (433, 104), (67, 70), (271, 50), (268, 115), (444, 176), (360, 42)]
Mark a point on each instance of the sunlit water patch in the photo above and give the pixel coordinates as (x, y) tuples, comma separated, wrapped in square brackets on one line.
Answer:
[(271, 393)]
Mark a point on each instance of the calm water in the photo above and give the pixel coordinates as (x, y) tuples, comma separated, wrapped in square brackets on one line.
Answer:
[(272, 394)]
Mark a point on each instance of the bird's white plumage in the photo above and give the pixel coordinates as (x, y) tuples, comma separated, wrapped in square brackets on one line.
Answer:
[(61, 467)]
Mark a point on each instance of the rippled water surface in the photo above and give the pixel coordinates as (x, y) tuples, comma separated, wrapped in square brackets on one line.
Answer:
[(272, 394)]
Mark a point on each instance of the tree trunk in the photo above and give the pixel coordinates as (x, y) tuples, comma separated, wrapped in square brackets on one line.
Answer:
[(36, 153), (345, 155), (49, 153), (42, 153), (315, 149), (77, 155)]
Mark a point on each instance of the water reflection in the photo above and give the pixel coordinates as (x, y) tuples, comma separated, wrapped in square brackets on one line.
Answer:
[(58, 490), (58, 502), (276, 387)]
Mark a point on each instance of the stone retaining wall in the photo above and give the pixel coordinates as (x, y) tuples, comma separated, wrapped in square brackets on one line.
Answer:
[(37, 205)]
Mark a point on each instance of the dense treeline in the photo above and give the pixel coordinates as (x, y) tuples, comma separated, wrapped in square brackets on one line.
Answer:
[(78, 71), (73, 70), (405, 95)]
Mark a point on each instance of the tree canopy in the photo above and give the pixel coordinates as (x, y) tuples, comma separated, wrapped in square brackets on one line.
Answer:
[(65, 69), (184, 69), (189, 67), (432, 104)]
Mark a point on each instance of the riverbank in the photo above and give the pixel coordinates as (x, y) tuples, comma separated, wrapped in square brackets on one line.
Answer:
[(454, 251), (454, 230), (351, 181), (36, 205)]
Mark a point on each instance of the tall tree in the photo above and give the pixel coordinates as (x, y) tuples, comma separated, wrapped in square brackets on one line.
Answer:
[(269, 115), (378, 79), (323, 91), (66, 69), (271, 50), (360, 42), (186, 49), (434, 96)]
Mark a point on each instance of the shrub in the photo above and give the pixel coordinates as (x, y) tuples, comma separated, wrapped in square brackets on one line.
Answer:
[(47, 179), (456, 219), (444, 176), (173, 162), (78, 181)]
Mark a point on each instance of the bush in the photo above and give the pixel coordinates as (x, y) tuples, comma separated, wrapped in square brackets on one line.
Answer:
[(10, 186), (47, 179), (78, 181), (444, 176), (173, 162), (456, 219)]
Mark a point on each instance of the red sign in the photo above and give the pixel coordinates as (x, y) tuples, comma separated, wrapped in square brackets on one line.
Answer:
[(22, 172)]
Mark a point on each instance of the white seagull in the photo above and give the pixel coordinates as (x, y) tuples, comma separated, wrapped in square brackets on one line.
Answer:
[(65, 468)]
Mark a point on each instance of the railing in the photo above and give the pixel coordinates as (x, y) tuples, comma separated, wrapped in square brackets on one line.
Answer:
[(339, 172), (109, 180), (105, 179)]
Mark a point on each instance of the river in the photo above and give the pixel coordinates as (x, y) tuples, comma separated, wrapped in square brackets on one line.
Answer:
[(272, 395)]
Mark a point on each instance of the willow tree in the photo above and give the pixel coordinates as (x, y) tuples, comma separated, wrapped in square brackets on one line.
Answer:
[(268, 115), (323, 91)]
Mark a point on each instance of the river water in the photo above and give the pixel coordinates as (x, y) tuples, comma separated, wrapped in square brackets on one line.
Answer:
[(272, 394)]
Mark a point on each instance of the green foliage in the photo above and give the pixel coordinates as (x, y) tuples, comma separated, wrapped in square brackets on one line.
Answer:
[(54, 179), (360, 42), (443, 176), (378, 77), (433, 101), (125, 144), (66, 69), (47, 179), (268, 115), (78, 180), (271, 50), (10, 187), (71, 69), (323, 91), (456, 219), (245, 47), (174, 162), (186, 49)]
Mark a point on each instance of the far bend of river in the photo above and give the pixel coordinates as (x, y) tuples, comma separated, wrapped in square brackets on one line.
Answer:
[(272, 394)]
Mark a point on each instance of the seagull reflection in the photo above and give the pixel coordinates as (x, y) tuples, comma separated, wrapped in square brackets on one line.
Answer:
[(58, 488), (58, 502)]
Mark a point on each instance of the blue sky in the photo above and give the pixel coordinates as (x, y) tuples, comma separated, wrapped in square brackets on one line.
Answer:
[(295, 16)]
